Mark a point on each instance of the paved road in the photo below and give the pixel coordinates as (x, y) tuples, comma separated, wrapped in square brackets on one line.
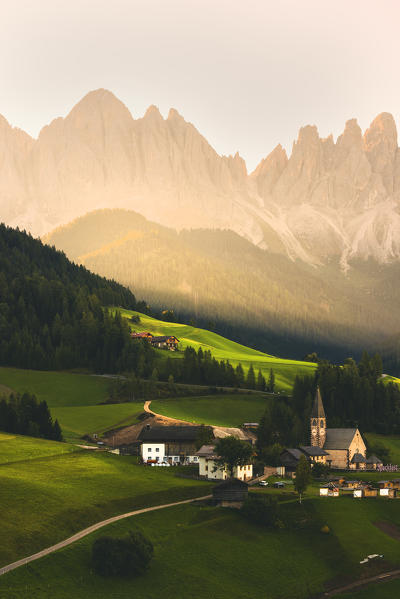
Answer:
[(384, 577), (88, 531)]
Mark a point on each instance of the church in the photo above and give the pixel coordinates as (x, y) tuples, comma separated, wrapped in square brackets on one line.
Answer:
[(345, 447), (342, 448)]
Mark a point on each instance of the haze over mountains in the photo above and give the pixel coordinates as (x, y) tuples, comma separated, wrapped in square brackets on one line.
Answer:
[(327, 201)]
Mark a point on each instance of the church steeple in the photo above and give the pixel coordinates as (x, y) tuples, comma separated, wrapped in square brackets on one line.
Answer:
[(318, 421)]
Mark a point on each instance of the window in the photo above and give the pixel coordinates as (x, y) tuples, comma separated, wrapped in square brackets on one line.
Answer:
[(149, 449), (157, 449), (322, 423)]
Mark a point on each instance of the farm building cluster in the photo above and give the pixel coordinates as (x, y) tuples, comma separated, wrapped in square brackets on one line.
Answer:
[(359, 489), (178, 445), (169, 342)]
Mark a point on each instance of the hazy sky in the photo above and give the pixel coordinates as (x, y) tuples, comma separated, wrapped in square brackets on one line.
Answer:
[(247, 73)]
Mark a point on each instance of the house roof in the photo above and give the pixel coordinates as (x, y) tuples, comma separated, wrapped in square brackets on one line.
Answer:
[(313, 451), (318, 407), (358, 458), (140, 335), (162, 338), (170, 433), (206, 451), (339, 438), (373, 459), (294, 452)]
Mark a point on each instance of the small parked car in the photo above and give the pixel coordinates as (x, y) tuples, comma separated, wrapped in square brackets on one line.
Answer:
[(263, 483), (278, 485)]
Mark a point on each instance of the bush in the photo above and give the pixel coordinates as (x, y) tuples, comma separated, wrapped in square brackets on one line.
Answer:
[(261, 510), (129, 556), (320, 470)]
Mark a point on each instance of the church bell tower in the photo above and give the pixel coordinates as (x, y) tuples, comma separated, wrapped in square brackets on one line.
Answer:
[(318, 422)]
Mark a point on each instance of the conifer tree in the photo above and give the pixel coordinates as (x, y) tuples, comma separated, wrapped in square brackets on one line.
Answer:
[(251, 379)]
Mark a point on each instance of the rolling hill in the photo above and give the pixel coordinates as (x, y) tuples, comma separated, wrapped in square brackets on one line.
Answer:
[(221, 348)]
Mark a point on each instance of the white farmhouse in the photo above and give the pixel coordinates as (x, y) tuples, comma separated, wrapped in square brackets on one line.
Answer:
[(151, 452), (209, 468)]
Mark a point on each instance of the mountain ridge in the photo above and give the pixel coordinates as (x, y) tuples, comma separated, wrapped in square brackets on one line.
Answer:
[(325, 200), (224, 282)]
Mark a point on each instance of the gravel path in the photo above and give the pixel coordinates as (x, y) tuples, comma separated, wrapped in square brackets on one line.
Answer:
[(88, 531)]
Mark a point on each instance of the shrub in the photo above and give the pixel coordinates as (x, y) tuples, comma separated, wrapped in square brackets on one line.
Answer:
[(129, 556), (320, 470), (261, 510)]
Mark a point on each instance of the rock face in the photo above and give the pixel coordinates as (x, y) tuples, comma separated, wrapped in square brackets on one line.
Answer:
[(326, 200)]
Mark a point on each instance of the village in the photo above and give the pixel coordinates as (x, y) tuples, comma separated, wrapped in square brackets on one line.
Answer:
[(341, 452)]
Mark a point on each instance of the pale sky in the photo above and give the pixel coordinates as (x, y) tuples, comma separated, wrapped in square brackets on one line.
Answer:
[(246, 73)]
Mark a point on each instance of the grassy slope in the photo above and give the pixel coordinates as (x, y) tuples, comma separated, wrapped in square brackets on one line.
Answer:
[(211, 552), (223, 410), (57, 388), (81, 420), (222, 348), (391, 442), (73, 399), (14, 448), (50, 492)]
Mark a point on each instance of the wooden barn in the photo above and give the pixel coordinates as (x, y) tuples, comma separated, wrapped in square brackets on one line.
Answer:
[(144, 335), (165, 342), (231, 493)]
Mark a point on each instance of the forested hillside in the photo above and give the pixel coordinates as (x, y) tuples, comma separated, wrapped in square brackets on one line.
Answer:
[(354, 395), (51, 311), (226, 284)]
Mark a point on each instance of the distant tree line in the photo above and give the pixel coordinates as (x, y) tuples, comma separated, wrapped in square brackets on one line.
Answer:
[(25, 415), (52, 316), (201, 368), (354, 395)]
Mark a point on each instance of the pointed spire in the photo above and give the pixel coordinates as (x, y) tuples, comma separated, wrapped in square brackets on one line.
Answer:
[(318, 407)]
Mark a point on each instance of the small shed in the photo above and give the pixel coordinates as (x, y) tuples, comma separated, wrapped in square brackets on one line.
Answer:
[(387, 492), (373, 462), (385, 484), (329, 490), (231, 493), (370, 492), (358, 461)]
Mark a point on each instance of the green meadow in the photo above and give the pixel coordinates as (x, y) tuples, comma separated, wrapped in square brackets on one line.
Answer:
[(48, 491), (219, 410), (57, 388), (391, 442), (223, 349), (73, 399), (203, 552), (78, 421)]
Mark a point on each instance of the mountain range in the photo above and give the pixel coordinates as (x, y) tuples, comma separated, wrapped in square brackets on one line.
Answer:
[(326, 201)]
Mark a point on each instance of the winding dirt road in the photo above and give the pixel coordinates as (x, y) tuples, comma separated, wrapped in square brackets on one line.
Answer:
[(89, 530)]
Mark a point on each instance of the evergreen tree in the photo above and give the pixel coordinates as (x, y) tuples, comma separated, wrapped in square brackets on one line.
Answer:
[(260, 385), (251, 379), (271, 381)]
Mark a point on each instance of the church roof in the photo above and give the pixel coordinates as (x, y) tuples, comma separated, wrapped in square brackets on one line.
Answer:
[(339, 438), (318, 407)]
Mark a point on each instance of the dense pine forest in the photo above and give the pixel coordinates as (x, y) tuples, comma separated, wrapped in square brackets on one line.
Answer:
[(52, 315), (354, 395)]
